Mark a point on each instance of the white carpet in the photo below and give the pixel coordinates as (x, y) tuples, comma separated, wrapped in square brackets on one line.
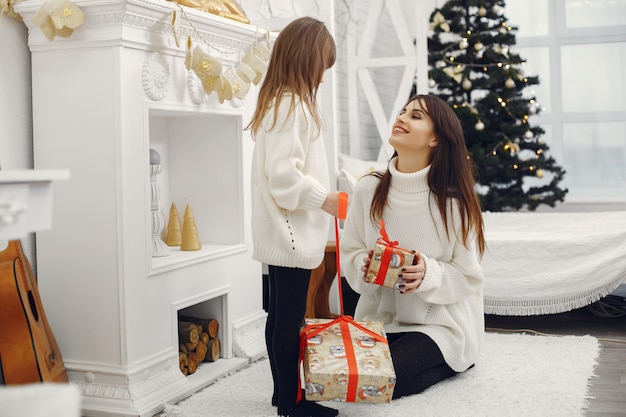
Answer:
[(516, 375)]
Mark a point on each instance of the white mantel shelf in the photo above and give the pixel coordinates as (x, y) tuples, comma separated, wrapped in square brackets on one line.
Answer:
[(19, 176), (26, 201)]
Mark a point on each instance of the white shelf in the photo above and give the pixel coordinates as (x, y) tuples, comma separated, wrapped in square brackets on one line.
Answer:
[(178, 259), (20, 176), (26, 201)]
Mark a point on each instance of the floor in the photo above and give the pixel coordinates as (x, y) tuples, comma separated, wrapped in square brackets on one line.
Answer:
[(608, 386)]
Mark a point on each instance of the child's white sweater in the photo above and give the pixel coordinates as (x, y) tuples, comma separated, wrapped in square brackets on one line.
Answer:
[(289, 185)]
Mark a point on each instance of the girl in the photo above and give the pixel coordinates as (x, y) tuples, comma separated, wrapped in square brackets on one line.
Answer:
[(434, 318), (291, 201)]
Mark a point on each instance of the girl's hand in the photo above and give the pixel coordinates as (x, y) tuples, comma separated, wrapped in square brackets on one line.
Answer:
[(412, 276), (331, 204), (366, 263)]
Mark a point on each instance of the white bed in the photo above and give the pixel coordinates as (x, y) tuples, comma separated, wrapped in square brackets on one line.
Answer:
[(546, 263)]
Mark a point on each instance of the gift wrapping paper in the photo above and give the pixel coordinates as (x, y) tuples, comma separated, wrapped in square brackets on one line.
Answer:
[(345, 360), (386, 266)]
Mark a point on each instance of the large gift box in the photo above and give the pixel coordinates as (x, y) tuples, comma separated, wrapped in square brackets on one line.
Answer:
[(346, 360), (387, 261)]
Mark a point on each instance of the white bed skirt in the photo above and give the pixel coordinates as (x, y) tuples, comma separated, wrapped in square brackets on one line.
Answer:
[(547, 263)]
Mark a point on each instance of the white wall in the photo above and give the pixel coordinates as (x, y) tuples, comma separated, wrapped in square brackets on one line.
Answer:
[(16, 127)]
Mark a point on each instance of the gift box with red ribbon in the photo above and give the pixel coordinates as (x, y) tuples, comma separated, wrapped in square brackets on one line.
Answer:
[(387, 261), (346, 360)]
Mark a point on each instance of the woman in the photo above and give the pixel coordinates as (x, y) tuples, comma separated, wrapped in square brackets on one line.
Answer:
[(291, 201), (434, 317)]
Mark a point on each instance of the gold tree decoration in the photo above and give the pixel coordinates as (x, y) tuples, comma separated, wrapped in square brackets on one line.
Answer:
[(174, 228), (190, 239)]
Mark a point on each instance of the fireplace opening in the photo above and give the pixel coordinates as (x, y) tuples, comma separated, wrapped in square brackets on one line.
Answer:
[(200, 334)]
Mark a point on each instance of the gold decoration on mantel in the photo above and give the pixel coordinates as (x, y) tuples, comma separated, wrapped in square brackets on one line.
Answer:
[(58, 18), (232, 83), (229, 9), (6, 7)]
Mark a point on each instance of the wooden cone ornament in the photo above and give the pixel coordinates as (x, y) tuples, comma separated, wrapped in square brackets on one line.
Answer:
[(174, 228), (190, 239)]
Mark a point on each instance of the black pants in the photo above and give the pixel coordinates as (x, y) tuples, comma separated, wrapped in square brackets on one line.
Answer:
[(418, 363), (286, 308)]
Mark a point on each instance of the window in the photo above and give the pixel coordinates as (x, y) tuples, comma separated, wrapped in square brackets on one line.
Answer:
[(578, 50)]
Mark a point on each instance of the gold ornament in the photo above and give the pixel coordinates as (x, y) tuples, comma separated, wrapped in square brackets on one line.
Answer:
[(455, 72), (439, 21), (176, 27), (58, 18)]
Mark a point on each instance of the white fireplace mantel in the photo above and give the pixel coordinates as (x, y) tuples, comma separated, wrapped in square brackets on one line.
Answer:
[(103, 98)]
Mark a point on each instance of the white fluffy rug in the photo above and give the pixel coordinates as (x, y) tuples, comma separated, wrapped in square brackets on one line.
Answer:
[(516, 375)]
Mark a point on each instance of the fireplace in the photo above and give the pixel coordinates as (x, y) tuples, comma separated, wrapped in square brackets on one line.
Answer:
[(100, 249)]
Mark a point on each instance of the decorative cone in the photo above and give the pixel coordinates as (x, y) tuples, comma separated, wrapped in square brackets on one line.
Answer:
[(174, 228), (190, 240)]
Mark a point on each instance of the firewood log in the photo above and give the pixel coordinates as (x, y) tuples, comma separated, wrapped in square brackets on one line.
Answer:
[(211, 326), (204, 338), (193, 363), (188, 334), (213, 350), (182, 348), (183, 363), (201, 350)]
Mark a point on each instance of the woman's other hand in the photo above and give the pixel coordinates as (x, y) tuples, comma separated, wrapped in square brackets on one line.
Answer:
[(412, 276), (366, 263)]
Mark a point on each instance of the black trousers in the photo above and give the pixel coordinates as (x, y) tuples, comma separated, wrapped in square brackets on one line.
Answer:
[(288, 289), (418, 363)]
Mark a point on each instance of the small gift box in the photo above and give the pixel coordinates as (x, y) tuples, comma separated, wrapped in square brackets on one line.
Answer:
[(387, 261), (346, 360)]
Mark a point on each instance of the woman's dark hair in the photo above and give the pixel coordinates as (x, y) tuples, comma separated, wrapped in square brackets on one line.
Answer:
[(451, 174)]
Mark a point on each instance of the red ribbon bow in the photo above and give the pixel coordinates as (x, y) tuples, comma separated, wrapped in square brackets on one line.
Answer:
[(387, 253)]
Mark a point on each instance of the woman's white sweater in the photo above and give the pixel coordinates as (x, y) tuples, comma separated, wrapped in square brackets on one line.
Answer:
[(289, 185), (448, 304)]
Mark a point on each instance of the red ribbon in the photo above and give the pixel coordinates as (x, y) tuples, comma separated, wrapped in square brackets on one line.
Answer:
[(312, 330), (387, 253)]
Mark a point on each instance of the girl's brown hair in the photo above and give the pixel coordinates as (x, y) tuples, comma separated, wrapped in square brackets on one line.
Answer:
[(303, 50), (451, 173)]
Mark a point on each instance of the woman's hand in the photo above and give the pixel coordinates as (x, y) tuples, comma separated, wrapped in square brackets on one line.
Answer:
[(366, 263), (411, 276)]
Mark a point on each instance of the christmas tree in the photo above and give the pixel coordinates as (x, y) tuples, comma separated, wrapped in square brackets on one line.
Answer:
[(473, 67)]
